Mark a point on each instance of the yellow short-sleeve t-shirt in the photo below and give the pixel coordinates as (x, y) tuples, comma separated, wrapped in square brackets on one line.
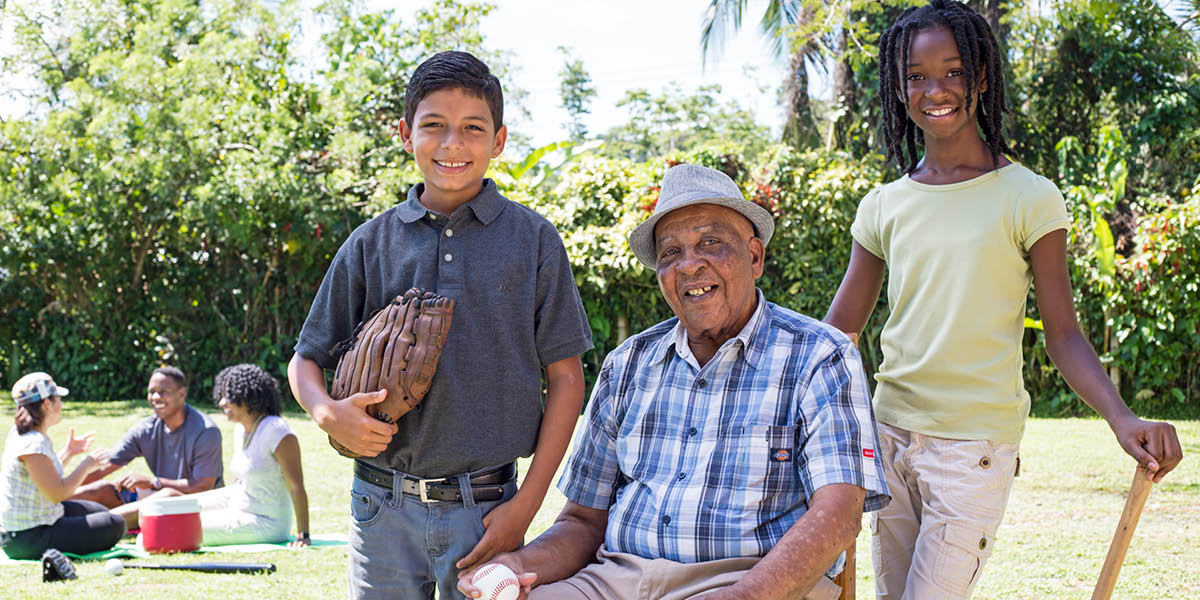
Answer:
[(958, 277)]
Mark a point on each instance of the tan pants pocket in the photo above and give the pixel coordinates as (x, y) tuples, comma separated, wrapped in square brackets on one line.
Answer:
[(960, 557)]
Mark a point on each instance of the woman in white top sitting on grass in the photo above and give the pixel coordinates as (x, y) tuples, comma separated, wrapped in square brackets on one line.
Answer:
[(258, 507), (34, 512)]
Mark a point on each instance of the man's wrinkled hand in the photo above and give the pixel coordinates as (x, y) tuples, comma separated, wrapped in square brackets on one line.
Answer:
[(509, 560)]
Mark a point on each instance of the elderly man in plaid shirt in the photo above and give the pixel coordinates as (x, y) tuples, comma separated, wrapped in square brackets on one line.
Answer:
[(728, 452)]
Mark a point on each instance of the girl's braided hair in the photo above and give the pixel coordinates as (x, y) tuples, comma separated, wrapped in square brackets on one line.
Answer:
[(980, 56)]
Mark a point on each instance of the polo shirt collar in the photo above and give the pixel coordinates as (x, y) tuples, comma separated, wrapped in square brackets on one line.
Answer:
[(486, 206), (752, 337)]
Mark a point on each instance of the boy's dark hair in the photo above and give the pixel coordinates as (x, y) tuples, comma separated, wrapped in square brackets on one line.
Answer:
[(174, 373), (980, 55), (250, 386), (29, 417), (454, 69)]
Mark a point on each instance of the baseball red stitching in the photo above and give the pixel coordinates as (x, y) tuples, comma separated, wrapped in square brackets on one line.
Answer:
[(483, 572), (504, 583)]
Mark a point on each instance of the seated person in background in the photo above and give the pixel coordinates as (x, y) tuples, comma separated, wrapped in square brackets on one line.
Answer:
[(181, 445), (728, 452), (269, 483), (33, 513)]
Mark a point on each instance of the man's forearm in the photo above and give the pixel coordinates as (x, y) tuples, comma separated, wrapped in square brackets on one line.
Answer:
[(101, 473), (808, 549), (187, 486), (567, 546)]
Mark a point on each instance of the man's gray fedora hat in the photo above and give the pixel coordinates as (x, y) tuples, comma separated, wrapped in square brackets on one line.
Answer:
[(685, 185)]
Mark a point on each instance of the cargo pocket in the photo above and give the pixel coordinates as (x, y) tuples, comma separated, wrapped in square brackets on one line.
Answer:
[(960, 558), (975, 477)]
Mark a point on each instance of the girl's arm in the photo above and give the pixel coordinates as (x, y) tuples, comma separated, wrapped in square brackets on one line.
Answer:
[(1154, 445), (53, 486), (287, 452), (857, 294)]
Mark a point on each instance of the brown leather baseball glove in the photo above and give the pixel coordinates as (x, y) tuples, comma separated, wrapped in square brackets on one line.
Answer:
[(397, 349)]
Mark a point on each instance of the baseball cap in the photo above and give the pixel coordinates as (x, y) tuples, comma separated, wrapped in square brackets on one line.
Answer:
[(35, 387)]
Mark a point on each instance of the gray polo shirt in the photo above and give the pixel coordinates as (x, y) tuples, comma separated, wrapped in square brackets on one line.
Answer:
[(191, 451), (516, 310)]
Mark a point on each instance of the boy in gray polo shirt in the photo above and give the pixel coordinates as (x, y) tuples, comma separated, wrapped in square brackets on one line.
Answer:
[(439, 492)]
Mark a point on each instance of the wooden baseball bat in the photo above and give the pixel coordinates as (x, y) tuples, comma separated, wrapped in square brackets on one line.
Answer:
[(1138, 492), (211, 567)]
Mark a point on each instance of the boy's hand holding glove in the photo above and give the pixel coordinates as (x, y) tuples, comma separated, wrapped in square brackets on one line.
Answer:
[(396, 349)]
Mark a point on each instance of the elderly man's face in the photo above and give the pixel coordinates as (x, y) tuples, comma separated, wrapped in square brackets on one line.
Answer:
[(707, 261)]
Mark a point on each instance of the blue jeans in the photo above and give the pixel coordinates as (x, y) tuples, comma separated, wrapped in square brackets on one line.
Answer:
[(403, 548)]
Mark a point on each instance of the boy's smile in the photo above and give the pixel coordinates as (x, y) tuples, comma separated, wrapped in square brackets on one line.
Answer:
[(452, 137)]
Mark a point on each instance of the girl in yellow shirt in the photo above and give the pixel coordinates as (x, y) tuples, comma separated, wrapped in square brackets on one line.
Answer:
[(962, 234)]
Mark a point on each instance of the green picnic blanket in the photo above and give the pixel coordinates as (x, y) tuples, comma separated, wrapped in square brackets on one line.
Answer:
[(132, 550)]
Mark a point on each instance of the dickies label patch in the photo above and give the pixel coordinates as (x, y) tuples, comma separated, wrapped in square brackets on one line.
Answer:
[(781, 454)]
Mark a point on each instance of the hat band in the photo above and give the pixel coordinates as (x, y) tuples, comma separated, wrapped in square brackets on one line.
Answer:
[(40, 391)]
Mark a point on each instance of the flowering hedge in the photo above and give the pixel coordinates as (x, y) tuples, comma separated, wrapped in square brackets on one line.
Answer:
[(207, 303)]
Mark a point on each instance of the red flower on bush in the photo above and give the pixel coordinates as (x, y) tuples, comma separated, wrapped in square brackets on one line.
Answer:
[(649, 206), (767, 196)]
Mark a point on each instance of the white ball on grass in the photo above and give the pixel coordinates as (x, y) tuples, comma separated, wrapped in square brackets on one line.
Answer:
[(114, 566)]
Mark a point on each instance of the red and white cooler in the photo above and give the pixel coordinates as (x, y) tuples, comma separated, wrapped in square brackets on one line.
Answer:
[(171, 525)]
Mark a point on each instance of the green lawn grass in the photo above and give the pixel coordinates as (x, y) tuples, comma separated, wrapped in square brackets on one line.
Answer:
[(1063, 511)]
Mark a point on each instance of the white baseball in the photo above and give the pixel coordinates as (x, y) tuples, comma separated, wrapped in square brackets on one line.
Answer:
[(496, 582), (114, 566)]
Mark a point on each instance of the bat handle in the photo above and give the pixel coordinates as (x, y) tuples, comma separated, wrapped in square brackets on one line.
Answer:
[(1138, 492)]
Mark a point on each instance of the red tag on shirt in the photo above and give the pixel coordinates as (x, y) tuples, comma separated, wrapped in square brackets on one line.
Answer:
[(868, 453)]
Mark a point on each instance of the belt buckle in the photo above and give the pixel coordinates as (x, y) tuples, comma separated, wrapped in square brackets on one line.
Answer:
[(423, 491)]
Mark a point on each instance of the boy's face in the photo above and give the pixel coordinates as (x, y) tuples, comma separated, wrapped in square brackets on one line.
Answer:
[(453, 138)]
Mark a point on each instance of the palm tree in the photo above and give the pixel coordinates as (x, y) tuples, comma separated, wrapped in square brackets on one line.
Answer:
[(778, 21)]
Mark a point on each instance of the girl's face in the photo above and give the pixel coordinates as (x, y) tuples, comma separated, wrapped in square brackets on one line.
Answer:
[(237, 413), (937, 86), (52, 411)]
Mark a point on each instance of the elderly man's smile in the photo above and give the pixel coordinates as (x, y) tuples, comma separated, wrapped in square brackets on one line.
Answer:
[(697, 292)]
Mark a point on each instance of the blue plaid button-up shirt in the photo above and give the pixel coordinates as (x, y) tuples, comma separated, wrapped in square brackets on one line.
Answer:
[(702, 463)]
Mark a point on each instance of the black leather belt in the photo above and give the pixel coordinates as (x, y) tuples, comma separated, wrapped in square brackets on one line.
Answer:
[(486, 486)]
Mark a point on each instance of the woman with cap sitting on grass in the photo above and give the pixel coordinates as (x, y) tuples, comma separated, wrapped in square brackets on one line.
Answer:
[(34, 512), (266, 461)]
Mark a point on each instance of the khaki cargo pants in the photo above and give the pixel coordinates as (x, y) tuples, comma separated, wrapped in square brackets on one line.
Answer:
[(948, 497)]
